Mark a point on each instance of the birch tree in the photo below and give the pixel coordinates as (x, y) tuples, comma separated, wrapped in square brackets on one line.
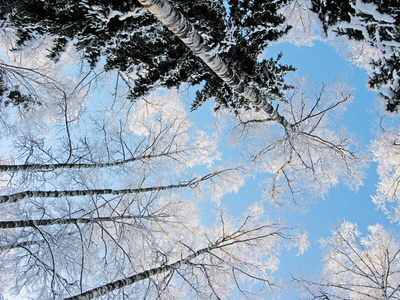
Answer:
[(182, 28), (304, 165), (140, 246), (358, 267), (238, 32)]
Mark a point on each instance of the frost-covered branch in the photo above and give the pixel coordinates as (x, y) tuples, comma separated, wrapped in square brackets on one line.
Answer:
[(315, 157), (358, 267), (91, 192), (386, 153)]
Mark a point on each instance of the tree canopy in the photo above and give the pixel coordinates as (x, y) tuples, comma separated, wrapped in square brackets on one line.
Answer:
[(104, 176), (377, 23), (135, 42)]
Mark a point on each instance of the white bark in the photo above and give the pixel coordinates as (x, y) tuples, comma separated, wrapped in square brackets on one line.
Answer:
[(74, 193), (181, 27), (42, 167), (46, 222), (112, 286)]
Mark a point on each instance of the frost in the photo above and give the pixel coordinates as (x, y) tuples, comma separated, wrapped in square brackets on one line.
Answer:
[(225, 182), (306, 27), (161, 105), (386, 153), (371, 9), (304, 164), (353, 263), (360, 53)]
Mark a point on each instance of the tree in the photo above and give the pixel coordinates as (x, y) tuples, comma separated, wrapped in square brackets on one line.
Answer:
[(178, 24), (196, 268), (386, 153), (302, 23), (71, 240), (154, 56), (358, 267), (307, 147), (376, 23), (304, 165), (170, 254), (12, 198)]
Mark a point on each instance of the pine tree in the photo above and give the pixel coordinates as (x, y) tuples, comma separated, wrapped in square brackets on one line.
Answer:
[(377, 23), (134, 42)]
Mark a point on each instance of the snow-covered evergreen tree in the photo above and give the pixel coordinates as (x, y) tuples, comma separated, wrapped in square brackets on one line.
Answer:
[(377, 23), (133, 41)]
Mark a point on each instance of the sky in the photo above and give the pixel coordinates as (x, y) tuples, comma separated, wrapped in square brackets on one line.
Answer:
[(320, 63)]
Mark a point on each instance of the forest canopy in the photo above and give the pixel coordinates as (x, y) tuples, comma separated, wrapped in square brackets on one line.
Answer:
[(105, 173)]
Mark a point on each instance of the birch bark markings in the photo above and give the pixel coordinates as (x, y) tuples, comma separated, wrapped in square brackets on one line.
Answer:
[(42, 167), (182, 28), (74, 193), (112, 286), (241, 236), (47, 222)]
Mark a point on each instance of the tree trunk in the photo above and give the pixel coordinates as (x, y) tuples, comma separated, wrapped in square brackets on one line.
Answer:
[(46, 222), (181, 27), (34, 167), (112, 286), (74, 193)]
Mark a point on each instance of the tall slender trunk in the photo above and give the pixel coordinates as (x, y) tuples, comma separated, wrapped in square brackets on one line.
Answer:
[(46, 222), (75, 193), (181, 27), (44, 167), (112, 286)]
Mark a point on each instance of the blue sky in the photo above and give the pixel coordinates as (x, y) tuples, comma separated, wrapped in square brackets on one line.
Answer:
[(321, 63)]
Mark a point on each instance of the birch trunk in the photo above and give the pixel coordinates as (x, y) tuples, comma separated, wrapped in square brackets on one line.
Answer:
[(74, 193), (181, 27), (34, 167), (46, 222), (112, 286)]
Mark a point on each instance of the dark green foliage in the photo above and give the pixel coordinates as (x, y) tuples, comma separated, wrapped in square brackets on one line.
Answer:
[(58, 47), (133, 41), (383, 33), (388, 73), (331, 13), (267, 76)]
